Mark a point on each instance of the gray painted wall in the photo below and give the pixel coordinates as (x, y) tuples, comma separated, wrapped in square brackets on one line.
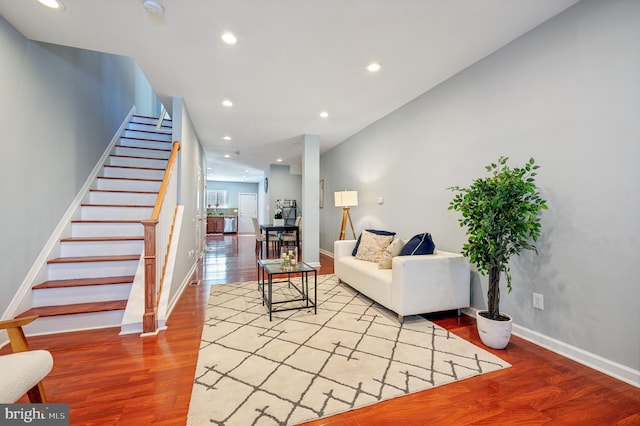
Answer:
[(60, 108), (283, 186), (566, 93), (233, 190)]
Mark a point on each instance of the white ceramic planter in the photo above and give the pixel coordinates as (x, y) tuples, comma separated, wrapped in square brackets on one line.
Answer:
[(494, 334)]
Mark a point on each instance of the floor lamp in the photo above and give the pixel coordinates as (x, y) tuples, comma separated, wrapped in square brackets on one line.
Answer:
[(346, 199)]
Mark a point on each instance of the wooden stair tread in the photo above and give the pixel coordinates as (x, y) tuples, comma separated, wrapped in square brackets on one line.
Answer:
[(123, 191), (150, 139), (101, 239), (80, 259), (129, 178), (78, 308), (81, 282), (150, 116), (116, 205), (137, 157), (105, 221), (133, 167), (154, 131), (143, 147)]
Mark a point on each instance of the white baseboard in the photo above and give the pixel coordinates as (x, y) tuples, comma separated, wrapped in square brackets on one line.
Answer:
[(601, 364), (326, 253)]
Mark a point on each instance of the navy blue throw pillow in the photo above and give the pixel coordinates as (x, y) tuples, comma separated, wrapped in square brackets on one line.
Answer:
[(419, 244), (373, 231)]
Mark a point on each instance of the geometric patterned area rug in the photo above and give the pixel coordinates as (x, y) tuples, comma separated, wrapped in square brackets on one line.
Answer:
[(300, 366)]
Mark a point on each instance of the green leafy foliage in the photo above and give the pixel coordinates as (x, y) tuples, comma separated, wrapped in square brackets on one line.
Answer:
[(501, 214)]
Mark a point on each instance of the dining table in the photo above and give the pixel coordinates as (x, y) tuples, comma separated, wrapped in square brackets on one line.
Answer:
[(270, 228)]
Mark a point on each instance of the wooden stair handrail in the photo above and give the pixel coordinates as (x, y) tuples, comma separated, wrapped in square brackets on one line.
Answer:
[(150, 316), (165, 181)]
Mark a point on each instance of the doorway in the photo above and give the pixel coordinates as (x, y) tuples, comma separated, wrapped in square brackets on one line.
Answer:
[(247, 209)]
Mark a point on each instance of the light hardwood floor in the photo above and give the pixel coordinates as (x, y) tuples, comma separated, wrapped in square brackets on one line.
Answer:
[(127, 380)]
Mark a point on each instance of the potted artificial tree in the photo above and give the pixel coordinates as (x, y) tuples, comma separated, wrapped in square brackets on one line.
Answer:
[(501, 213)]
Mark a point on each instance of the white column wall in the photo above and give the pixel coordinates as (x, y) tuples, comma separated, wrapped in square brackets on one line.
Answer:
[(310, 199)]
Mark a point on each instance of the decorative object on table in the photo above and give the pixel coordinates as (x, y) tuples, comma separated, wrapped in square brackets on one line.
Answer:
[(289, 256), (346, 200), (278, 220), (501, 213), (302, 366), (289, 211)]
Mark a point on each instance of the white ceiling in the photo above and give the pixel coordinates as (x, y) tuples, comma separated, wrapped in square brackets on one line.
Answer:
[(293, 59)]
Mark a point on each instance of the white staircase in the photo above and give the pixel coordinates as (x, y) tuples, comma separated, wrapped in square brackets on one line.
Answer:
[(87, 284)]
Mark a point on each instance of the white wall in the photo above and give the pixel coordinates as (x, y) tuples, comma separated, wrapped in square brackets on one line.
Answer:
[(60, 108), (568, 94)]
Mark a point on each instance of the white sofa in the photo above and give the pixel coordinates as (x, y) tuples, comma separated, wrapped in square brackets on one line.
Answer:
[(414, 284)]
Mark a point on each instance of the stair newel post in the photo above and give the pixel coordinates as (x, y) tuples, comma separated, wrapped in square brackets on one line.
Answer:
[(150, 317)]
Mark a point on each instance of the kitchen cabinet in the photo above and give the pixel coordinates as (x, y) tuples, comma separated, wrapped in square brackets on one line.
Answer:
[(215, 225)]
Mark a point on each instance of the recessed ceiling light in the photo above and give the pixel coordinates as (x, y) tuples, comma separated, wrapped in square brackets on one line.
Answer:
[(227, 103), (373, 67), (227, 156), (53, 4), (229, 38), (324, 114), (279, 160), (153, 7)]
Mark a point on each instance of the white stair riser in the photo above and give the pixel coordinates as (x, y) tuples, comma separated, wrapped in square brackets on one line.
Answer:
[(115, 213), (134, 151), (84, 294), (137, 143), (149, 120), (149, 127), (100, 248), (107, 229), (133, 173), (158, 163), (128, 185), (129, 198), (147, 134), (62, 323), (67, 271)]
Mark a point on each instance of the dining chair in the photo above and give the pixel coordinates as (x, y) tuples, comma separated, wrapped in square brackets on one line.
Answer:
[(289, 238), (262, 238)]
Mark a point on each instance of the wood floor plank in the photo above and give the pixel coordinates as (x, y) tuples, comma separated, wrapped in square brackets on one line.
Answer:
[(110, 379)]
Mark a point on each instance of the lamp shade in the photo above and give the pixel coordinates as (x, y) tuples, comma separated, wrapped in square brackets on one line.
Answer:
[(345, 198)]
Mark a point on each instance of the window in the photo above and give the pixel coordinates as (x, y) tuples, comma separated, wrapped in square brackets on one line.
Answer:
[(217, 198)]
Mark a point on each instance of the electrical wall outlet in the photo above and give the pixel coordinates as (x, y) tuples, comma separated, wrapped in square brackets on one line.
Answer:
[(538, 301)]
